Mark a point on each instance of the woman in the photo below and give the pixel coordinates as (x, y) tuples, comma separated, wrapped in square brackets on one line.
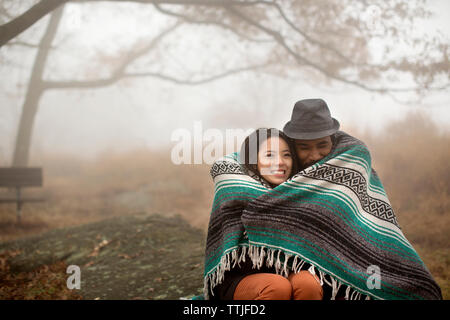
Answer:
[(269, 156)]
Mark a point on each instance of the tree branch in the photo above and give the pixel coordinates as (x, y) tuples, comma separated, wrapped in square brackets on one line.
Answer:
[(310, 39), (200, 81), (132, 56), (208, 22), (14, 27), (118, 73), (303, 60), (23, 44), (89, 84)]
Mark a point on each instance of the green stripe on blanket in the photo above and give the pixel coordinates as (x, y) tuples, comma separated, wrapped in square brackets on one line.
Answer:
[(334, 216)]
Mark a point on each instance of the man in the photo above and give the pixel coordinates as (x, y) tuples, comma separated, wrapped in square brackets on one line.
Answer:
[(312, 128)]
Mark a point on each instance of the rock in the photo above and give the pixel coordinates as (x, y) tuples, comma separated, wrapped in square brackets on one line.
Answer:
[(126, 257)]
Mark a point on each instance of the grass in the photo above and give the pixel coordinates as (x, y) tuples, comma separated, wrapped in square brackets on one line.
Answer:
[(410, 157)]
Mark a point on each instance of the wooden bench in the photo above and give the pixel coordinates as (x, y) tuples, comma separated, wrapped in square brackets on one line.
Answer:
[(17, 178)]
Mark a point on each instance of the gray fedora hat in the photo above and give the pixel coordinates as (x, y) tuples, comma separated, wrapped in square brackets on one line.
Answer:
[(311, 119)]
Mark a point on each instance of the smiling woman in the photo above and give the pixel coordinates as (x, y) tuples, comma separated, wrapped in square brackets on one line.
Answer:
[(269, 154), (275, 160)]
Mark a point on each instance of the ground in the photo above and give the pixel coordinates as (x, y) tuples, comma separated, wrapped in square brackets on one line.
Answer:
[(130, 257)]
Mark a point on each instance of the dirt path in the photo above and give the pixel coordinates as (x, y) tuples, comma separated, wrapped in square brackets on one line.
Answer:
[(147, 256)]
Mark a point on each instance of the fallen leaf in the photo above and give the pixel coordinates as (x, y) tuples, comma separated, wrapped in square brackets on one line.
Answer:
[(98, 247), (90, 263)]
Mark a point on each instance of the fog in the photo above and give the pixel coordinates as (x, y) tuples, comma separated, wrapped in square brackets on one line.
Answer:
[(117, 119), (123, 79), (144, 112)]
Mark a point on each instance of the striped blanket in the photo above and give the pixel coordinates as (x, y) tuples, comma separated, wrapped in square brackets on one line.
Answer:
[(333, 217)]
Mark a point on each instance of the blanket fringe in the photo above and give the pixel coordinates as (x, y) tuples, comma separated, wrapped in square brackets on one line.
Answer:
[(273, 258)]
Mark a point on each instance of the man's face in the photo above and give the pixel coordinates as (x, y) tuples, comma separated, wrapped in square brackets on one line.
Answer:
[(311, 151)]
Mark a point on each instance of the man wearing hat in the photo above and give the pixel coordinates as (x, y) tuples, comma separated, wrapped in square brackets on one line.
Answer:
[(312, 128)]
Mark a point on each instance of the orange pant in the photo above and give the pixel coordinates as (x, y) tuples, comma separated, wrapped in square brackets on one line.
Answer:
[(270, 286)]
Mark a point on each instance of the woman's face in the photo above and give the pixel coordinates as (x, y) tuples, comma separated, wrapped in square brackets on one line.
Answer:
[(274, 160)]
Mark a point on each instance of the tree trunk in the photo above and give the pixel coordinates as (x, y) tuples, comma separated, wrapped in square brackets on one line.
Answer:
[(34, 93)]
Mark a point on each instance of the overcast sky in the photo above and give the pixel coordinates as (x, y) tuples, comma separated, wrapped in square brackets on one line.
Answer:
[(145, 112)]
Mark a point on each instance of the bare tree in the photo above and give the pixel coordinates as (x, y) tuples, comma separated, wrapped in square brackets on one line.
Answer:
[(328, 40), (330, 37)]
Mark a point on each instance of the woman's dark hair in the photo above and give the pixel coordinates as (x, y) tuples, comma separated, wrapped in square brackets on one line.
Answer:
[(250, 149)]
